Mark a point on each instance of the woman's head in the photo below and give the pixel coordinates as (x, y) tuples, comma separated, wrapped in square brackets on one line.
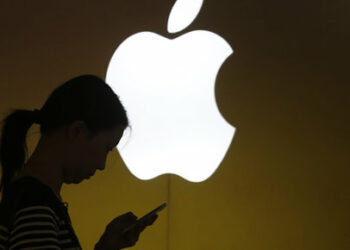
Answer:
[(84, 104)]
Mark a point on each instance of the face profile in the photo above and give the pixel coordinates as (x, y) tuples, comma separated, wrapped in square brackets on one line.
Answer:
[(88, 154)]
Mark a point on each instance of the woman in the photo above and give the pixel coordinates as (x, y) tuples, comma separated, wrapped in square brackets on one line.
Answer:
[(80, 123)]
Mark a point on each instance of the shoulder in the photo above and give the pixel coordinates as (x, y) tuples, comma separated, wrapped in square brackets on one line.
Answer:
[(27, 196), (29, 191)]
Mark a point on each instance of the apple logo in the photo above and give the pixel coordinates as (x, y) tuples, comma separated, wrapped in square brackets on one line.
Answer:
[(167, 87)]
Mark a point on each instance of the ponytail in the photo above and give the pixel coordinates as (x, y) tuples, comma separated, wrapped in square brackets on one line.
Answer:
[(13, 148)]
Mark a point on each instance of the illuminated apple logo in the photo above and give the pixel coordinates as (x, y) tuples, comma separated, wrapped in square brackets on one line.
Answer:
[(168, 89)]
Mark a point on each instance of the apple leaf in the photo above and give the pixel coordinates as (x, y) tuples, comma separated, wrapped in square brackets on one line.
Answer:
[(182, 14)]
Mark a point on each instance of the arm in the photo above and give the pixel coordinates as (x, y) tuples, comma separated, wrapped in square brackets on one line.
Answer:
[(34, 227)]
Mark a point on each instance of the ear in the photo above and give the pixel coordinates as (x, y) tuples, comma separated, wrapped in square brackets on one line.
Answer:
[(76, 130)]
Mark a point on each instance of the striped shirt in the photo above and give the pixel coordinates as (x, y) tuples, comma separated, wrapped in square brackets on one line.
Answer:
[(32, 217)]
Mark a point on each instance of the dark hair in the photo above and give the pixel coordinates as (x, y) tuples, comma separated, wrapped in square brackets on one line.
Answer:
[(87, 98)]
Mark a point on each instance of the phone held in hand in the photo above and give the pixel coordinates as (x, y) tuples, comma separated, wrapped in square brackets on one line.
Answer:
[(154, 211)]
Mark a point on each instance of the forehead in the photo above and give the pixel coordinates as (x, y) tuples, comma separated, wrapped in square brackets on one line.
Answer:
[(114, 134)]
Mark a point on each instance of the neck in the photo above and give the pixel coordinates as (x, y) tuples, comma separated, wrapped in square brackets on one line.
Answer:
[(44, 166)]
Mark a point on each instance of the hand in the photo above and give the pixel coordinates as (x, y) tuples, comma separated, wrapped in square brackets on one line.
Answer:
[(114, 239)]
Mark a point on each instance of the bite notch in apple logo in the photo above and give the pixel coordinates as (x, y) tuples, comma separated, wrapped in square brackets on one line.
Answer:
[(167, 87)]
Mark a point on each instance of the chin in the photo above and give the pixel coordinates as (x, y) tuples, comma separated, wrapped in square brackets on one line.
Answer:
[(74, 181)]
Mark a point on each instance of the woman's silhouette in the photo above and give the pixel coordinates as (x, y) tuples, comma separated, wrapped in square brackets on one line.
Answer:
[(81, 121)]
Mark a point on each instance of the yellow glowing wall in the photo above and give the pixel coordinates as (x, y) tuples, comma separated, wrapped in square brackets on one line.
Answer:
[(284, 183)]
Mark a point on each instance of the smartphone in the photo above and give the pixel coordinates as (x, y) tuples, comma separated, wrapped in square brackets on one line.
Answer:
[(154, 211)]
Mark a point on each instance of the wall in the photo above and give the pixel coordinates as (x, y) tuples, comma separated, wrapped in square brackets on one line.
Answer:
[(284, 181)]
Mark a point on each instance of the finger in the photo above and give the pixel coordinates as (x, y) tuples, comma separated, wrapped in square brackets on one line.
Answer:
[(124, 219), (141, 227), (132, 237), (127, 216), (147, 222), (150, 220)]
